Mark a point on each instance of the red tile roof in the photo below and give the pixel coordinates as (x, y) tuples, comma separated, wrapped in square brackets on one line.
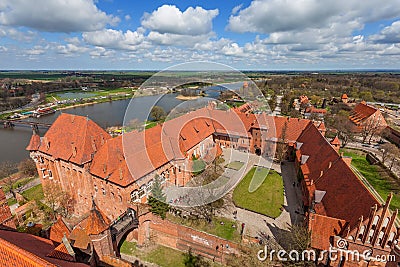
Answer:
[(341, 186), (335, 141), (320, 152), (322, 228), (6, 218), (27, 250), (361, 112), (34, 143), (58, 230), (294, 127), (73, 138), (96, 223), (61, 253), (344, 96), (80, 239)]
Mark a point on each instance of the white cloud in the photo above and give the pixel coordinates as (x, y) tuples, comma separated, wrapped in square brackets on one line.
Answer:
[(169, 19), (268, 16), (101, 52), (109, 38), (177, 39), (127, 17), (389, 34), (232, 49), (36, 50), (55, 15), (71, 49)]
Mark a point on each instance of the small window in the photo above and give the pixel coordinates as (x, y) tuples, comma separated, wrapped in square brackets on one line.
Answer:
[(50, 174), (134, 196), (142, 191), (95, 188), (104, 191)]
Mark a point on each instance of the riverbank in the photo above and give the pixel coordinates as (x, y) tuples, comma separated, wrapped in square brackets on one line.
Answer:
[(185, 98)]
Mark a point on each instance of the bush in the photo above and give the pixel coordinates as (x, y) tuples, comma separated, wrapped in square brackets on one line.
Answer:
[(27, 167)]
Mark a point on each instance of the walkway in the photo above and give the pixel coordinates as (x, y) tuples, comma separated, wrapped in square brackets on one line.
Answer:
[(256, 223)]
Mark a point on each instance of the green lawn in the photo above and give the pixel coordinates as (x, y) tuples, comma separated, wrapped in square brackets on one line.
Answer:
[(377, 176), (128, 248), (35, 193), (267, 199), (165, 257), (235, 165), (224, 230), (160, 255)]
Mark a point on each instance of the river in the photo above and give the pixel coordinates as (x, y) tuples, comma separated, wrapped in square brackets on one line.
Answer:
[(14, 141)]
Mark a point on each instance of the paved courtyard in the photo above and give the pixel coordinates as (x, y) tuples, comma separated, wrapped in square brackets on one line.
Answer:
[(256, 223)]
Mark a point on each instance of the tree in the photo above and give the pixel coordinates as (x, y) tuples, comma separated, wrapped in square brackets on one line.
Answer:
[(7, 168), (27, 167), (59, 201), (158, 113), (157, 200), (387, 150), (370, 128), (344, 127)]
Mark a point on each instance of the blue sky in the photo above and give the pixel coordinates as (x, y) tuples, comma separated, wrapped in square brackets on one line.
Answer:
[(247, 35)]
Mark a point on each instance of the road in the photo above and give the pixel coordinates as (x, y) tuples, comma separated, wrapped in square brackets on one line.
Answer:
[(33, 103)]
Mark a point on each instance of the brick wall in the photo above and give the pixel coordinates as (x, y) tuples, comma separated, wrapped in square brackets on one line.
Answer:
[(183, 238)]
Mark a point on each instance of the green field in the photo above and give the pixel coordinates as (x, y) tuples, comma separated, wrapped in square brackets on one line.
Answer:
[(235, 165), (267, 199), (377, 176)]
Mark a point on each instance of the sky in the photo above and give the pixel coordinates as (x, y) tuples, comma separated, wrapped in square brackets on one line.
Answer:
[(243, 34)]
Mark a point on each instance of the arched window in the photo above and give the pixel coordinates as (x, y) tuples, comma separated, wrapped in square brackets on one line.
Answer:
[(361, 233), (390, 240), (386, 222), (371, 234), (380, 237), (374, 223)]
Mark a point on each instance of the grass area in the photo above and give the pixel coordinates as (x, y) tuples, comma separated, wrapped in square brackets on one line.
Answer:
[(11, 201), (228, 229), (160, 255), (150, 124), (377, 176), (35, 193), (235, 165), (267, 199), (128, 248), (198, 166), (166, 257)]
